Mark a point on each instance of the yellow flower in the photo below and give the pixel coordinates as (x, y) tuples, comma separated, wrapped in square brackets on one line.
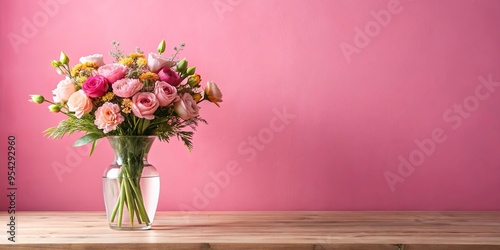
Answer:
[(127, 61), (80, 80), (197, 97), (108, 96), (141, 62), (89, 66), (126, 106), (194, 80), (136, 55), (148, 76)]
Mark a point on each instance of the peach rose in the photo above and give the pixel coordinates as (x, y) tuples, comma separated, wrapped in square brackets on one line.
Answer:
[(108, 117), (79, 103), (64, 90), (213, 93), (165, 93), (144, 105), (186, 107)]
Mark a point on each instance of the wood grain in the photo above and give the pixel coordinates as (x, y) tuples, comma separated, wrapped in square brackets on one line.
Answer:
[(262, 230)]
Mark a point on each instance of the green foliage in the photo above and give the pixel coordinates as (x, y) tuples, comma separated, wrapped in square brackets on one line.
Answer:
[(88, 138), (117, 54), (163, 127), (177, 51), (72, 125), (176, 127)]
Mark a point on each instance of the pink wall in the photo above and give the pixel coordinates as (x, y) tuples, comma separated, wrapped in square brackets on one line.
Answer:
[(328, 105)]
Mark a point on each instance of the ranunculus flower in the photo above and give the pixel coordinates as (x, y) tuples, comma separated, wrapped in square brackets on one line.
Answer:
[(108, 117), (186, 107), (144, 104), (95, 86), (157, 61), (213, 93), (169, 76), (95, 58), (65, 88), (112, 72), (165, 93), (127, 87), (79, 103)]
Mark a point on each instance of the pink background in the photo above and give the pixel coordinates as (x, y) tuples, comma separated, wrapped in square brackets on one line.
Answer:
[(401, 82)]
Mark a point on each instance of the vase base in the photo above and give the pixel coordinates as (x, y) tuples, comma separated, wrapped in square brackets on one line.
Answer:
[(125, 228)]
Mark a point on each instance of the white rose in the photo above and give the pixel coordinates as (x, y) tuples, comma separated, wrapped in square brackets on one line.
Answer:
[(96, 58), (64, 90), (156, 62), (186, 107)]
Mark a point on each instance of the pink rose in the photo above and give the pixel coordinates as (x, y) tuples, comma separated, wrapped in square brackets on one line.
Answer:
[(112, 72), (95, 86), (79, 103), (186, 107), (126, 88), (156, 62), (165, 93), (169, 76), (64, 90), (96, 58), (144, 104), (108, 116)]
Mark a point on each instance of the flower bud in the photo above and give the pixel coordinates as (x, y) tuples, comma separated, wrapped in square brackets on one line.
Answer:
[(37, 99), (161, 47), (54, 108), (64, 58), (190, 71), (181, 66), (197, 97), (194, 80), (213, 93), (56, 64)]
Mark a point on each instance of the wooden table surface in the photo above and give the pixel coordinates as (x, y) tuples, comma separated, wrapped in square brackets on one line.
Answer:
[(261, 230)]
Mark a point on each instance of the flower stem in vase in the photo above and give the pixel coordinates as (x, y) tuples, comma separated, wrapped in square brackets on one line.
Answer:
[(129, 208)]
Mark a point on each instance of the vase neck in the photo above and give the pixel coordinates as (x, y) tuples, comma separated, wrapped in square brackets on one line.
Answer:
[(119, 159), (131, 149)]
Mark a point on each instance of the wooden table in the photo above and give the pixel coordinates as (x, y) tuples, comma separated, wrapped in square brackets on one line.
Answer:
[(261, 230)]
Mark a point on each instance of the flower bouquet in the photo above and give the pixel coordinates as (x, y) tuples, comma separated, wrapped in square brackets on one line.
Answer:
[(132, 100)]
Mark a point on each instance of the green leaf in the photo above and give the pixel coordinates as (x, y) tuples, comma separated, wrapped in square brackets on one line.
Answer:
[(186, 137), (92, 137), (145, 125), (93, 147)]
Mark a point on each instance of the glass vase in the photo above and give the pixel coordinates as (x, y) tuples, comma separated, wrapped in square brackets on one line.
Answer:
[(131, 185)]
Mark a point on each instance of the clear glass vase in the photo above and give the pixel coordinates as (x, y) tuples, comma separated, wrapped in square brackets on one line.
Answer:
[(131, 185)]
